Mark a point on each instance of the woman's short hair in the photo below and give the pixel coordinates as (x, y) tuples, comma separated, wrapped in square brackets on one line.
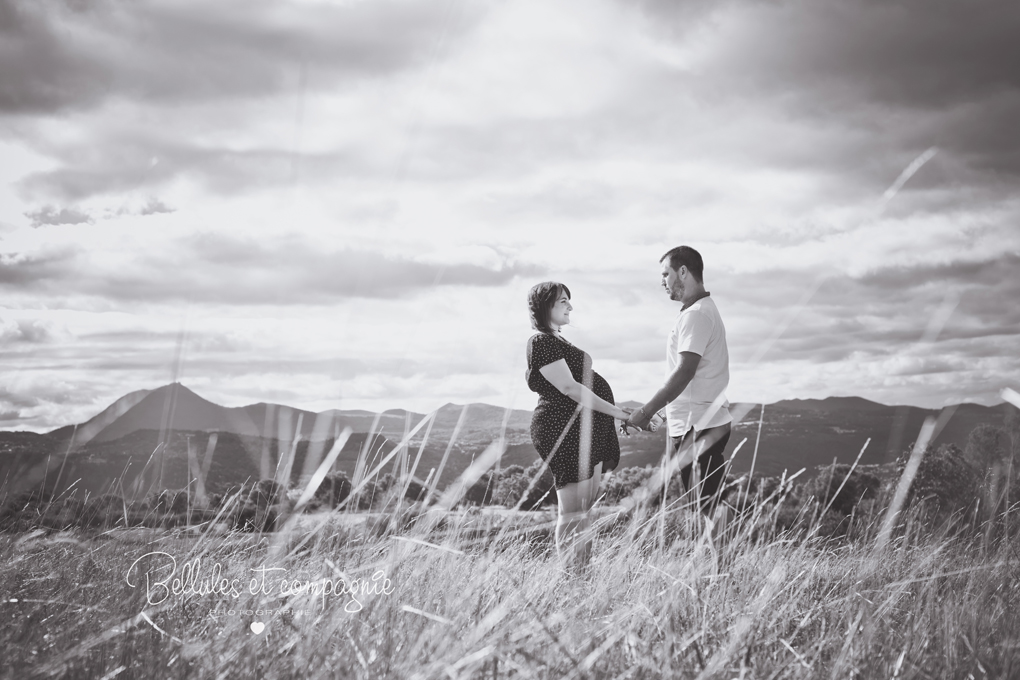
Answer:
[(541, 299)]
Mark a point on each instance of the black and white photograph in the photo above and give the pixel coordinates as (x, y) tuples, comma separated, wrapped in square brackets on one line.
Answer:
[(507, 339)]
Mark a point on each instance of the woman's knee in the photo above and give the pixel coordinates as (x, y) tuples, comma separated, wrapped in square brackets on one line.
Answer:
[(570, 498), (593, 486), (572, 518)]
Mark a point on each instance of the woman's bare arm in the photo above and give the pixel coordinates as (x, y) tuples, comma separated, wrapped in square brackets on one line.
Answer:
[(559, 376)]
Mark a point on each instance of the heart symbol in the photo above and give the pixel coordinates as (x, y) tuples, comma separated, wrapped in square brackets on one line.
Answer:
[(257, 627)]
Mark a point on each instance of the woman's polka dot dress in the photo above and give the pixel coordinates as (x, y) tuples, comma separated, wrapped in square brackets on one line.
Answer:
[(554, 411)]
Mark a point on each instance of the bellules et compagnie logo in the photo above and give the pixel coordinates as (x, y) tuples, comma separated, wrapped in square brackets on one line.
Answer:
[(164, 578)]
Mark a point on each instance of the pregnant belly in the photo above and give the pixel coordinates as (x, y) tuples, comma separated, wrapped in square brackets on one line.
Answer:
[(601, 388)]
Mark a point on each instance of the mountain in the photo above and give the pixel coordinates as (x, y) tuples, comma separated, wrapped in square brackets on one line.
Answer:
[(808, 433), (118, 447), (175, 407), (88, 430), (146, 461), (119, 442)]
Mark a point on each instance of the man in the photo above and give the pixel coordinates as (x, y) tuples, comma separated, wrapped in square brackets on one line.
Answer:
[(697, 374)]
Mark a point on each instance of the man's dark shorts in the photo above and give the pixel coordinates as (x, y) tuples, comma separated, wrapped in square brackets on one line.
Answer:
[(711, 463)]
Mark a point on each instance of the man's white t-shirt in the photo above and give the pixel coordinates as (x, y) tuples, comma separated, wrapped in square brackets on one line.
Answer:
[(699, 329)]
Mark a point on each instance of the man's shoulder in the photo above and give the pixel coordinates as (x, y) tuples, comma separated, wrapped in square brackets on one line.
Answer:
[(703, 308), (706, 303), (701, 317)]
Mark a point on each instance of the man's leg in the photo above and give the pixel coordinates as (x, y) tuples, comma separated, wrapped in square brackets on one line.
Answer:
[(686, 446), (681, 445), (712, 464)]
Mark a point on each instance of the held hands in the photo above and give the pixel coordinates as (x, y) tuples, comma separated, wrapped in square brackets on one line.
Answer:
[(626, 411), (639, 419), (636, 419)]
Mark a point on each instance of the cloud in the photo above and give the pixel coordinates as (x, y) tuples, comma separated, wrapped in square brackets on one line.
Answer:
[(231, 270), (71, 55), (247, 272), (820, 88), (33, 331), (919, 54), (155, 207), (997, 270), (27, 398), (145, 83), (982, 286), (355, 180), (124, 158), (50, 215), (864, 87), (220, 365), (869, 320), (155, 158), (47, 400), (17, 400), (19, 271)]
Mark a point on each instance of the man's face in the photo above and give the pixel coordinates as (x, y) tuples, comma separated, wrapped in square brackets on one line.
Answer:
[(672, 280)]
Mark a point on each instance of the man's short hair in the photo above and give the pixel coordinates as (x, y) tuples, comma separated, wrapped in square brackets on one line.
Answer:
[(685, 256)]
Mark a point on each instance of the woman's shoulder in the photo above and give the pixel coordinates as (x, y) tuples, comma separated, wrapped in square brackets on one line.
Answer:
[(545, 348), (541, 339)]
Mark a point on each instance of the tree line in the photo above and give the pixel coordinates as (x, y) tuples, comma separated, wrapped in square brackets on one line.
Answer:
[(972, 484)]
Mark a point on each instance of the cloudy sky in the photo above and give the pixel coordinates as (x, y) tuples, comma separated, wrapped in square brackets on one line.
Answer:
[(343, 204)]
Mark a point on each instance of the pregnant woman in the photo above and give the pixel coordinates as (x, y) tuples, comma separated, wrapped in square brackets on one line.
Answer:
[(572, 427)]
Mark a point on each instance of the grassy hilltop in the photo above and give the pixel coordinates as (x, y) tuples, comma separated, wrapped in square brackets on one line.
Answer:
[(478, 593), (906, 569)]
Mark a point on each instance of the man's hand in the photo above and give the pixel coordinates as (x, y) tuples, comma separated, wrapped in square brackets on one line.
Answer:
[(638, 419), (676, 383)]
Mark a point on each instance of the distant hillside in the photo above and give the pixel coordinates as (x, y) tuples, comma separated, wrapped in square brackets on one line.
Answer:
[(807, 433), (135, 466), (88, 430), (115, 449), (175, 407), (111, 448)]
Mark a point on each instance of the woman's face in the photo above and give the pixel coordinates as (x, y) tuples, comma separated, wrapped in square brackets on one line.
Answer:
[(559, 314)]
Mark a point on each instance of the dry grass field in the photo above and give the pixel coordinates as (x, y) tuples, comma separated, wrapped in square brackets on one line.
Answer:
[(437, 589), (469, 594)]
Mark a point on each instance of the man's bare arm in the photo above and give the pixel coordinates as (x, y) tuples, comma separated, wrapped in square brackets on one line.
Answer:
[(675, 385)]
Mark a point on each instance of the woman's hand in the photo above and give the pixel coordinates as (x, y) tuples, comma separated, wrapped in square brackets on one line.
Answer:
[(626, 411), (638, 419)]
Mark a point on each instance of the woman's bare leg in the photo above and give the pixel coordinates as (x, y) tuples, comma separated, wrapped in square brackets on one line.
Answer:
[(569, 516), (595, 483), (573, 524)]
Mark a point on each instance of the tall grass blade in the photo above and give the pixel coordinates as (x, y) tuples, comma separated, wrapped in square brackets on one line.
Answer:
[(903, 486)]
